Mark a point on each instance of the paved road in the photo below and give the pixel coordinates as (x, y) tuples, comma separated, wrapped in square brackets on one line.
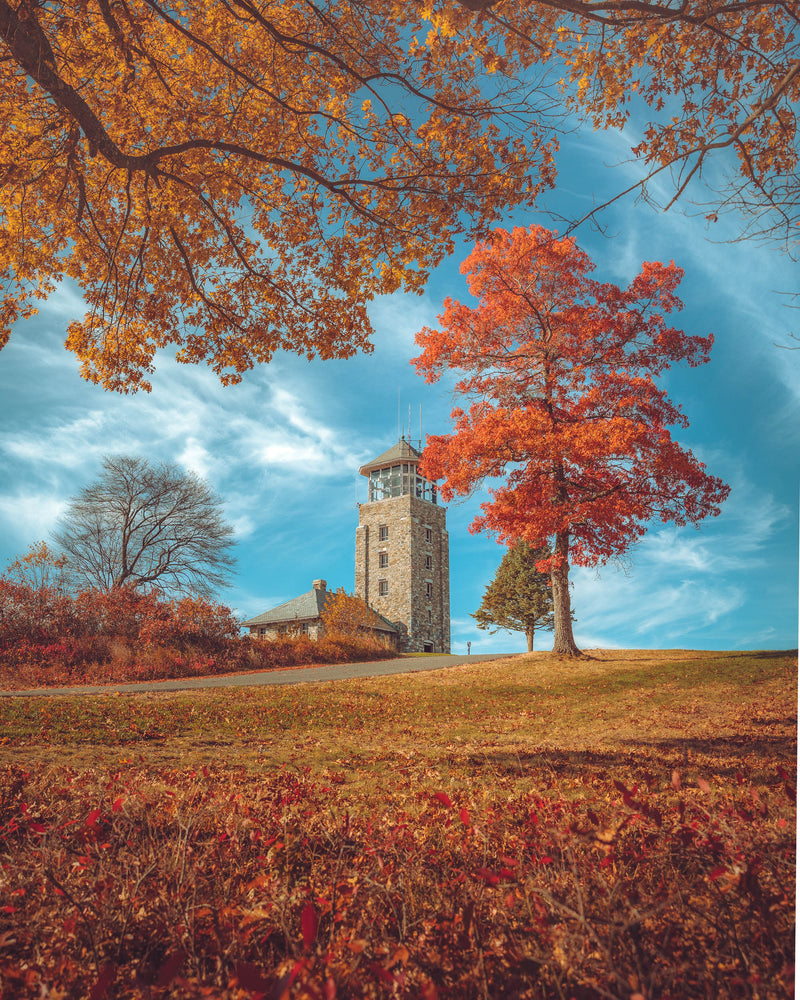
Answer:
[(300, 675)]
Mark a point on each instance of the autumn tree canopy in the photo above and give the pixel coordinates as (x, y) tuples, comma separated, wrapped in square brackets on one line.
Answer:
[(561, 372), (146, 526), (349, 618), (714, 80), (229, 179), (519, 598), (234, 179)]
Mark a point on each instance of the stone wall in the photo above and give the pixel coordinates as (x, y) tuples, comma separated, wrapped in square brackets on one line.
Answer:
[(412, 564), (286, 630)]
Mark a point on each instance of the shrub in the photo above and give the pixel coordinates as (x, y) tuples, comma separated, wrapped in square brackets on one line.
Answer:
[(48, 638), (51, 638), (188, 623), (34, 615)]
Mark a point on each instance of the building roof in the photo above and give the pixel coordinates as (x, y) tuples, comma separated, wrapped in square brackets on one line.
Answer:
[(309, 606), (400, 452), (380, 623)]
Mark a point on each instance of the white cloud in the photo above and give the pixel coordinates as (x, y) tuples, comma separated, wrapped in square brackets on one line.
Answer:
[(30, 516), (397, 319), (688, 605), (196, 458), (243, 525), (644, 606), (66, 302), (709, 549)]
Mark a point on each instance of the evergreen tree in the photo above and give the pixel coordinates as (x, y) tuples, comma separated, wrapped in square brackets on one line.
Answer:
[(520, 598)]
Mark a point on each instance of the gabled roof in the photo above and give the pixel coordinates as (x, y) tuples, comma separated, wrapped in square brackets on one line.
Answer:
[(400, 452), (302, 608), (381, 623), (309, 606)]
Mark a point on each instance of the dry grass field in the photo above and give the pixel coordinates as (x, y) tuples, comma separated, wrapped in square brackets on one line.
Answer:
[(622, 826)]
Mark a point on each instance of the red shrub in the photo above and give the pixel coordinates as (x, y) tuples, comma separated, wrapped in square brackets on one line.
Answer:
[(191, 621), (48, 638), (33, 615)]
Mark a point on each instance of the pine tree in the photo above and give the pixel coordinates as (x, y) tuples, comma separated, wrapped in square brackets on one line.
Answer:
[(519, 598)]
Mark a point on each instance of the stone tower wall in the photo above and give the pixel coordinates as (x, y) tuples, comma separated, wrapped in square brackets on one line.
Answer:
[(417, 570)]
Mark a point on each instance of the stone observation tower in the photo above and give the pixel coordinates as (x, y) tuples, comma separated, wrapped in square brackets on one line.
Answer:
[(402, 554)]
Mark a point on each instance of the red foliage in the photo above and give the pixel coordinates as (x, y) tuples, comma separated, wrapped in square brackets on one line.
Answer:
[(50, 639), (565, 367), (33, 615), (562, 370), (188, 622), (211, 882)]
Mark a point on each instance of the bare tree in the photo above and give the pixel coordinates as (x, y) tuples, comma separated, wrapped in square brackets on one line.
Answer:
[(141, 525)]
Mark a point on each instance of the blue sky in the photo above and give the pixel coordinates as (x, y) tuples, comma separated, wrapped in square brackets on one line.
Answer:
[(283, 448)]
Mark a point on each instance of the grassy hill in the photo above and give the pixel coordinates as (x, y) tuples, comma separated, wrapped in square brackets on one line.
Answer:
[(623, 826)]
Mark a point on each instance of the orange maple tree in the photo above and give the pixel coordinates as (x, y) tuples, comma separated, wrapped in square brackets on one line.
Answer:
[(562, 369), (229, 179), (232, 179)]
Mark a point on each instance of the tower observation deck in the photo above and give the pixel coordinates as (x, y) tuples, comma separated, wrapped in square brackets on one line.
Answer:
[(402, 550)]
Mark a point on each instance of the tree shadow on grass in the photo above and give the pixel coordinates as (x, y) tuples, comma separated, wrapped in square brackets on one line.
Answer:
[(724, 755), (671, 657)]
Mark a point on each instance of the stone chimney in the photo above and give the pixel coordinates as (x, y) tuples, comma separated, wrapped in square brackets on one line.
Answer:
[(319, 585)]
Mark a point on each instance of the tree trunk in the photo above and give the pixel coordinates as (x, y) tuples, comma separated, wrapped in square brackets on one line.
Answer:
[(529, 637), (563, 640)]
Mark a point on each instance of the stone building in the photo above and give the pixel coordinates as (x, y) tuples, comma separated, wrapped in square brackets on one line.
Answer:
[(302, 616), (402, 552)]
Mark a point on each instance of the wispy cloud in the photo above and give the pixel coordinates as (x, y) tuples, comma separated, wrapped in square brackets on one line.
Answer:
[(29, 516), (397, 319)]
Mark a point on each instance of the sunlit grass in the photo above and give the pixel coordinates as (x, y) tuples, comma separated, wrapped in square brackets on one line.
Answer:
[(474, 720)]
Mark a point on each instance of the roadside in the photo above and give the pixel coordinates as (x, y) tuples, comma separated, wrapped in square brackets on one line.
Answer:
[(288, 675)]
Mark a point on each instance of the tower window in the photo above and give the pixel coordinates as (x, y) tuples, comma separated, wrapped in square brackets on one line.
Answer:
[(383, 587), (428, 535), (383, 559), (428, 562), (383, 532), (429, 590)]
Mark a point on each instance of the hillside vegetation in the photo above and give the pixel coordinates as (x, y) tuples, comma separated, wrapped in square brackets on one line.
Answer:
[(623, 827), (52, 638)]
